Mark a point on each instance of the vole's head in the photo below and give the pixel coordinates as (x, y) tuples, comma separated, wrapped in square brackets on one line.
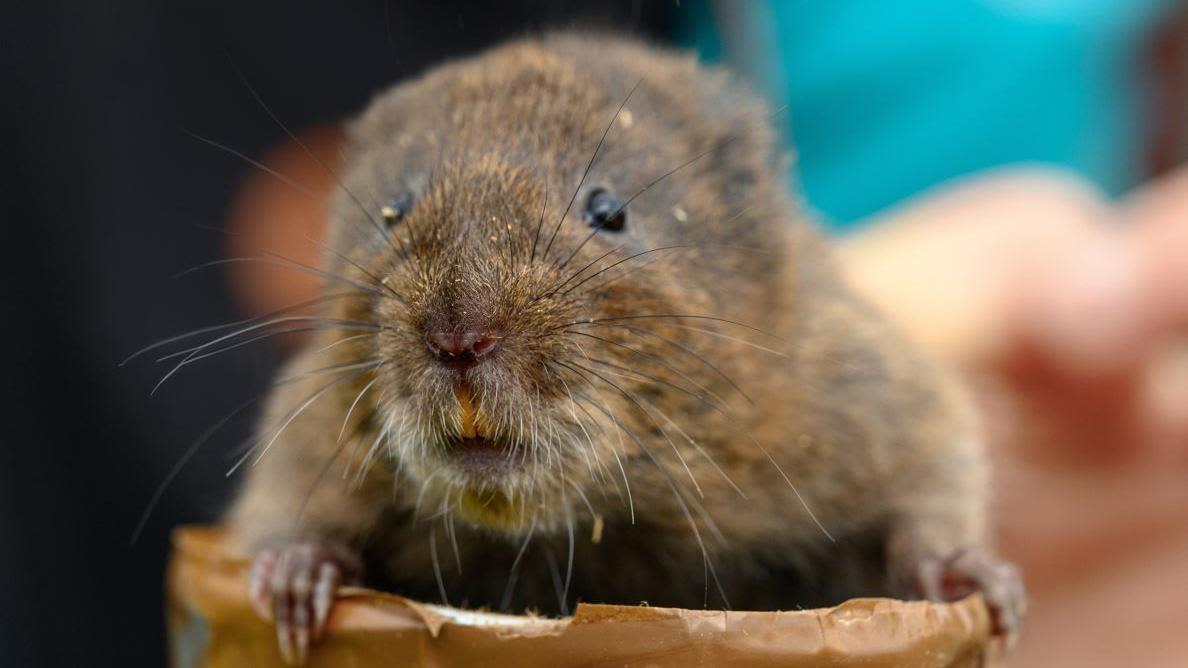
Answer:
[(526, 285)]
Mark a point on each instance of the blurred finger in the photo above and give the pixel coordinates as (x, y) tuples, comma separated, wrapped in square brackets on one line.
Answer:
[(271, 215)]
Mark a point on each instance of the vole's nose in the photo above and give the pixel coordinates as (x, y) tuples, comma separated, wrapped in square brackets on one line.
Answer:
[(461, 349)]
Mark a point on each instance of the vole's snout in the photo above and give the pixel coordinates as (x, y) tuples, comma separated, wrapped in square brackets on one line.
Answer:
[(461, 349)]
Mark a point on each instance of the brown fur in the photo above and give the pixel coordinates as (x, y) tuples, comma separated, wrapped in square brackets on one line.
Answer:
[(874, 440)]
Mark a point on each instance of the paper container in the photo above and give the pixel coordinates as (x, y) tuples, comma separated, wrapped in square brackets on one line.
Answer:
[(211, 624)]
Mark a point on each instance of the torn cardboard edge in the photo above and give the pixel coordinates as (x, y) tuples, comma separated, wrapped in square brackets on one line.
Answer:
[(212, 625)]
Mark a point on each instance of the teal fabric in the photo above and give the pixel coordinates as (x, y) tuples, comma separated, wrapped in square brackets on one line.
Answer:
[(888, 98)]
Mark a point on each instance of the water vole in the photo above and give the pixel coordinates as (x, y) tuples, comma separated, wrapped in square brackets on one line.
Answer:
[(578, 343)]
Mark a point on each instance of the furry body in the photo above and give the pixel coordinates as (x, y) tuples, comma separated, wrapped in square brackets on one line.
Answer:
[(776, 446)]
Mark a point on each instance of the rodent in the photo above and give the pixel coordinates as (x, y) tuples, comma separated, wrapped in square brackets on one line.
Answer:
[(578, 343)]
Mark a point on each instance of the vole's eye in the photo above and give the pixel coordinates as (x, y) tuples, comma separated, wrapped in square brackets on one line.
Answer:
[(604, 211), (397, 208)]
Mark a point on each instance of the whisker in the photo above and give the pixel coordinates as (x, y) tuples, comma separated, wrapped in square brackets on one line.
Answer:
[(585, 500), (445, 600), (342, 366), (320, 319), (710, 523), (604, 475), (589, 165), (803, 503), (614, 451), (368, 457), (624, 274), (449, 523), (706, 561), (421, 495), (553, 290), (514, 572), (638, 331), (653, 358), (194, 356), (680, 457), (180, 464), (557, 584), (695, 444), (379, 282), (648, 316), (317, 481), (625, 372), (580, 246), (235, 323), (258, 165), (615, 264), (341, 341), (569, 559), (727, 337), (536, 237), (726, 412), (280, 261), (604, 284), (384, 234), (289, 419), (347, 418), (716, 147)]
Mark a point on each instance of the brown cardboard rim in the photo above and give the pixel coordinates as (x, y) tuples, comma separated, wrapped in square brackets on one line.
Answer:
[(211, 624)]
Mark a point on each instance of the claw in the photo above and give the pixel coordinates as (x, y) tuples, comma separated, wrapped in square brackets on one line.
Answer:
[(930, 577), (323, 597), (295, 588), (1001, 584), (301, 635), (301, 613), (284, 640), (972, 570), (258, 584)]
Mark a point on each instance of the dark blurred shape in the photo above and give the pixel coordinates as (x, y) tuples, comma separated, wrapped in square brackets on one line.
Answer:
[(108, 196)]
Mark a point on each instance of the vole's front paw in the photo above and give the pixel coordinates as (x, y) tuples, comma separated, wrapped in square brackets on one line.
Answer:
[(972, 570), (295, 586)]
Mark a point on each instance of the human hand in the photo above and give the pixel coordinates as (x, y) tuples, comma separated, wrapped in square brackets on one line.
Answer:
[(1069, 315)]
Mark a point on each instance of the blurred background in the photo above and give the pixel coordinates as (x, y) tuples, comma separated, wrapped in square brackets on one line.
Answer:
[(1002, 177)]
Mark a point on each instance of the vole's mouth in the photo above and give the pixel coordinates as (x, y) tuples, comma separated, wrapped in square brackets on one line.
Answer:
[(474, 450), (491, 484), (488, 464), (480, 456)]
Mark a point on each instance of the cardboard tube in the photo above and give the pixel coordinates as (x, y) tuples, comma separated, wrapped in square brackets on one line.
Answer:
[(212, 625)]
